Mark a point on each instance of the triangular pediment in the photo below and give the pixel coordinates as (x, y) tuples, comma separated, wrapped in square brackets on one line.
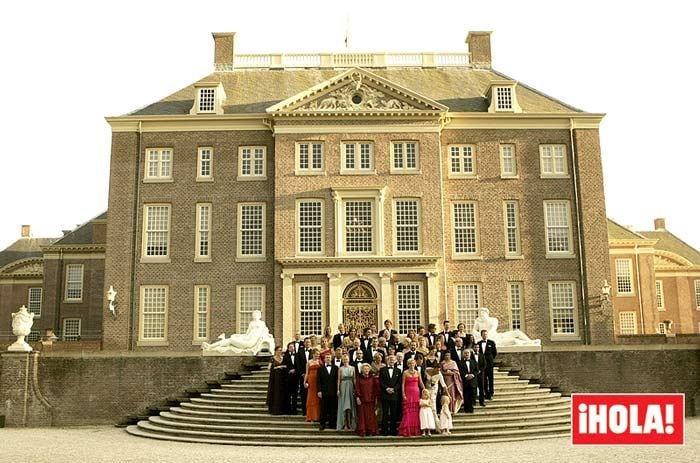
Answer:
[(357, 92)]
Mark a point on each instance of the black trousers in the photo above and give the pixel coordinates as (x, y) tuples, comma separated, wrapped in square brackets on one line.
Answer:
[(329, 410), (302, 391), (390, 416), (469, 394), (292, 393), (480, 385), (488, 382)]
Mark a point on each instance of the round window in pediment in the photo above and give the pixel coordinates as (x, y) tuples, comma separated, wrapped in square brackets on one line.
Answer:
[(356, 98)]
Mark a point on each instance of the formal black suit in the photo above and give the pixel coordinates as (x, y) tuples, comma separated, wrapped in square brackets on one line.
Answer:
[(328, 388), (369, 357), (481, 369), (338, 340), (459, 358), (390, 402), (432, 337), (470, 368), (365, 343), (297, 345), (353, 358), (302, 360), (408, 356), (449, 338), (291, 361), (488, 350)]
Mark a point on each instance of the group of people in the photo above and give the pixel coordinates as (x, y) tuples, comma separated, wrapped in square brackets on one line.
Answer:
[(379, 382)]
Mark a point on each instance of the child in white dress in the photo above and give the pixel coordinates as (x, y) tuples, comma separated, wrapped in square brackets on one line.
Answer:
[(427, 420), (445, 415)]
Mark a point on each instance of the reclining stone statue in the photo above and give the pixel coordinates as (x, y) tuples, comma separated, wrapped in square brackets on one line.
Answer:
[(257, 339), (505, 338)]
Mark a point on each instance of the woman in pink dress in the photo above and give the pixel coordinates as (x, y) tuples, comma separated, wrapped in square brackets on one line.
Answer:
[(453, 380), (412, 385)]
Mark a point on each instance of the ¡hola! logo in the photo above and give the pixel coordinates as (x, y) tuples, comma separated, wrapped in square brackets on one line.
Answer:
[(627, 419)]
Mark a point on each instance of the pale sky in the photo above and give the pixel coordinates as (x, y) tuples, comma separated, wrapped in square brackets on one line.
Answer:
[(66, 65)]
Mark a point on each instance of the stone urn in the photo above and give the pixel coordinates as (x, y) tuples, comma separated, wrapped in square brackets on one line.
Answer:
[(22, 322)]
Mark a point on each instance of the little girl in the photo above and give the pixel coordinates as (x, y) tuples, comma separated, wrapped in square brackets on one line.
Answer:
[(445, 415), (427, 420)]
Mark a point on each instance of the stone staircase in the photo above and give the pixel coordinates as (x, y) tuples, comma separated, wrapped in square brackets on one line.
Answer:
[(234, 412)]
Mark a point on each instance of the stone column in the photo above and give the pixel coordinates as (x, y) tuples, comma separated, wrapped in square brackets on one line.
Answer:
[(433, 298), (287, 307), (387, 308), (335, 306)]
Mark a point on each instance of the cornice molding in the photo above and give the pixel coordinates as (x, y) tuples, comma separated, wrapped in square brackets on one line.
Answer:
[(358, 261), (567, 121)]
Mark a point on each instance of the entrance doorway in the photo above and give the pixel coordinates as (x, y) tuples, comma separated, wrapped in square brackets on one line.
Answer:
[(360, 305)]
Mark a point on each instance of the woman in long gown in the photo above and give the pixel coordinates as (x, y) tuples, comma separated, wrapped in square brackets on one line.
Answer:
[(346, 394), (367, 392), (411, 387), (313, 402), (435, 382), (277, 384), (453, 381)]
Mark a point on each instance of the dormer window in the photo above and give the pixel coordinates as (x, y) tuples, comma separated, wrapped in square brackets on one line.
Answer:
[(503, 97), (208, 98)]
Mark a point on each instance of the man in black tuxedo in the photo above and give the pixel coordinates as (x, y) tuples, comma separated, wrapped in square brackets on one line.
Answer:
[(448, 334), (390, 379), (359, 361), (457, 352), (412, 346), (356, 347), (388, 330), (373, 350), (488, 350), (480, 370), (470, 381), (303, 357), (339, 336), (327, 381), (338, 357), (298, 342), (366, 339), (291, 361), (431, 335)]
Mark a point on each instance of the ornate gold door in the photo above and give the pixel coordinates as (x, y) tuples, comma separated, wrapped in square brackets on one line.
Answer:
[(359, 305)]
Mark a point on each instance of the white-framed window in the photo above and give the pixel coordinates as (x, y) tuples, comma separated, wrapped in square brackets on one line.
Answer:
[(71, 329), (462, 160), (359, 221), (557, 216), (466, 231), (310, 226), (553, 161), (159, 164), (202, 298), (309, 158), (34, 301), (206, 100), (33, 336), (251, 163), (623, 276), (404, 157), (467, 300), (156, 232), (509, 166), (248, 299), (562, 308), (251, 231), (516, 305), (358, 226), (310, 301), (74, 282), (409, 306), (628, 323), (203, 232), (154, 313), (511, 221), (697, 294), (205, 160), (357, 157), (504, 98), (407, 225), (660, 295), (661, 328)]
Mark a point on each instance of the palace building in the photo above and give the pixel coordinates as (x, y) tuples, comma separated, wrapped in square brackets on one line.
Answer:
[(355, 187)]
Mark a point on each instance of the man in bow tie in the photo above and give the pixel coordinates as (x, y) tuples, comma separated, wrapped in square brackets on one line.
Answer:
[(390, 379), (327, 381), (291, 360), (488, 350), (339, 336), (303, 357)]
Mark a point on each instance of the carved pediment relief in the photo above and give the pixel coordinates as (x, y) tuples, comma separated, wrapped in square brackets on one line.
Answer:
[(357, 91), (24, 267), (670, 259)]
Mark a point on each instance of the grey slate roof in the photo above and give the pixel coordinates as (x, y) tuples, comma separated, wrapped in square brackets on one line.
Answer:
[(254, 90), (82, 234), (670, 242), (618, 232), (23, 248)]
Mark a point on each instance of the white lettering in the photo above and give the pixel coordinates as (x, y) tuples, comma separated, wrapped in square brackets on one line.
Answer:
[(669, 418), (582, 419), (635, 427), (654, 421), (618, 419), (598, 419)]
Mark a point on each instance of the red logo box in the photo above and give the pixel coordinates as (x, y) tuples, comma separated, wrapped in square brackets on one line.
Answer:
[(627, 419)]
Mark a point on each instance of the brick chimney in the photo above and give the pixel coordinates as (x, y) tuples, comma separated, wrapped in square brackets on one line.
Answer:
[(223, 49), (660, 224), (479, 43), (26, 231)]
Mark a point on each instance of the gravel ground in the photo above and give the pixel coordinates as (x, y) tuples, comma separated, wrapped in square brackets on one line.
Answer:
[(96, 444)]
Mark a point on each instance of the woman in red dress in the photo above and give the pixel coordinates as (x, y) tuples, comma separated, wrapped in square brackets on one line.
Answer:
[(366, 391), (412, 385), (313, 403)]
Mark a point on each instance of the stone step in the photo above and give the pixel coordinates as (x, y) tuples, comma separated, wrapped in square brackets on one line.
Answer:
[(340, 438)]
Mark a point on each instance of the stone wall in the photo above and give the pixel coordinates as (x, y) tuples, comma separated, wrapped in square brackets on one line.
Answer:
[(616, 369), (64, 390)]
